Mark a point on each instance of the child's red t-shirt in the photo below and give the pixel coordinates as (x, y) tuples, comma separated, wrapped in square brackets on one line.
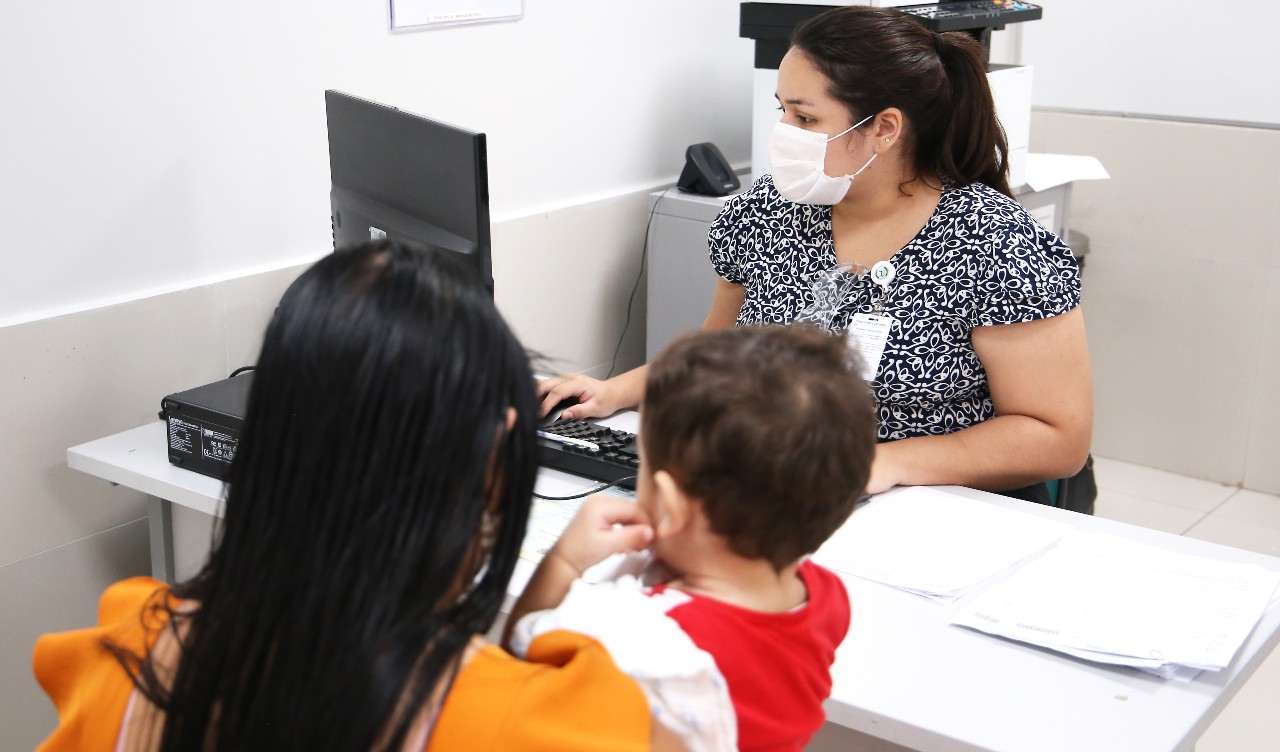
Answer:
[(777, 665)]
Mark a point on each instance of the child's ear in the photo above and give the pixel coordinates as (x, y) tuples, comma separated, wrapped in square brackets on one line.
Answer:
[(674, 510)]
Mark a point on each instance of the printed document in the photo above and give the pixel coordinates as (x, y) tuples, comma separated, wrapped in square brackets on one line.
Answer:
[(1113, 600), (933, 543)]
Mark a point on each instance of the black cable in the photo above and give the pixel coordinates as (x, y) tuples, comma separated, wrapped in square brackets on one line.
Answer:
[(595, 490), (644, 252)]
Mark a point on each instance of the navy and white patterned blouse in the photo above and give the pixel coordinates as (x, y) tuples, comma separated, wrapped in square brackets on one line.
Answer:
[(980, 260)]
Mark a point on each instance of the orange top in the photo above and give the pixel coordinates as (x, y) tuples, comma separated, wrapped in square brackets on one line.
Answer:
[(568, 696)]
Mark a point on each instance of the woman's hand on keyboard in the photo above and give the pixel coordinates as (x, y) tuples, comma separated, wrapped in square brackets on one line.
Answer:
[(596, 398)]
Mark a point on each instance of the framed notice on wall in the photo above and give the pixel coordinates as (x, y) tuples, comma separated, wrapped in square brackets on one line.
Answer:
[(425, 14)]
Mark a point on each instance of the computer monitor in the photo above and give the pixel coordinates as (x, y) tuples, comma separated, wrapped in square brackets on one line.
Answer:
[(408, 178)]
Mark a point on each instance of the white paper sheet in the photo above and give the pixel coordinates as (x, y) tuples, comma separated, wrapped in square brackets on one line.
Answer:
[(1106, 596), (1048, 170), (933, 543), (547, 520)]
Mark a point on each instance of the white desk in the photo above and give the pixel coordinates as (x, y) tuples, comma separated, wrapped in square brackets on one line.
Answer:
[(902, 674), (136, 459)]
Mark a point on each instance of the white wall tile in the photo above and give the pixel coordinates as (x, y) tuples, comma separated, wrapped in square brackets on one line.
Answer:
[(1262, 465), (1205, 192), (248, 304), (1177, 289), (1174, 362), (76, 378), (1160, 485), (54, 591), (1143, 512), (563, 281), (1237, 534), (1254, 508)]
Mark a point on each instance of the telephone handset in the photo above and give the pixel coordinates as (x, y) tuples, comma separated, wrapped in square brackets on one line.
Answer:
[(707, 172)]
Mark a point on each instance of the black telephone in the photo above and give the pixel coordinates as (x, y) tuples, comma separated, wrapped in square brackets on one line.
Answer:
[(707, 172)]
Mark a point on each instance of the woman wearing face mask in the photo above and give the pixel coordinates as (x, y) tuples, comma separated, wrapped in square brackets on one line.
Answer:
[(888, 157)]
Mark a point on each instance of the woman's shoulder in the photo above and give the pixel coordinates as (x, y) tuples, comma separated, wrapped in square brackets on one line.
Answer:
[(84, 680), (130, 612), (984, 200), (997, 225), (761, 190), (127, 598), (569, 695), (762, 202), (1021, 270)]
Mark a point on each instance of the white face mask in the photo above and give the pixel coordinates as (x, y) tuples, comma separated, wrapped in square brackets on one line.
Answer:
[(796, 159)]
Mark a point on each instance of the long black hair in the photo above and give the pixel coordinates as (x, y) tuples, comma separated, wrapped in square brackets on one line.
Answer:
[(348, 580), (877, 58)]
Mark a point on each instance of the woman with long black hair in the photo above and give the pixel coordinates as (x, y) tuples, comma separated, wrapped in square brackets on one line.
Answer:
[(374, 513)]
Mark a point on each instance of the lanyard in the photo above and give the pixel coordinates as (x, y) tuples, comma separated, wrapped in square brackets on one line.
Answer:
[(882, 274)]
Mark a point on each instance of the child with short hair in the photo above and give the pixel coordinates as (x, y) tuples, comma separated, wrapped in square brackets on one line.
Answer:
[(756, 443)]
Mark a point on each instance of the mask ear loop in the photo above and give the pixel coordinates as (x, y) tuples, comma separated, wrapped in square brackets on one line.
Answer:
[(846, 130), (865, 166), (873, 156)]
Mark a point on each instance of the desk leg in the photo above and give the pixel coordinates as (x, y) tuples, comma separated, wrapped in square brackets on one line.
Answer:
[(160, 522)]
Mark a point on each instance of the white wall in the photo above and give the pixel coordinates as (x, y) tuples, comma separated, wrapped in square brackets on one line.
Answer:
[(153, 145), (1185, 60)]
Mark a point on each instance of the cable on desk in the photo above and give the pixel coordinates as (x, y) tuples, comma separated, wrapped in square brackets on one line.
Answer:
[(595, 490), (644, 252)]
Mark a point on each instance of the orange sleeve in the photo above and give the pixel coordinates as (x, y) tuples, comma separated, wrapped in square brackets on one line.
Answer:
[(88, 687), (568, 696)]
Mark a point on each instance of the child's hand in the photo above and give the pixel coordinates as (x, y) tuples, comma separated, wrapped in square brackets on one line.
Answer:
[(603, 526)]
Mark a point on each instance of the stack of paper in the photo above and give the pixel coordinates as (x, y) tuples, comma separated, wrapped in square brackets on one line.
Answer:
[(1106, 599), (934, 544)]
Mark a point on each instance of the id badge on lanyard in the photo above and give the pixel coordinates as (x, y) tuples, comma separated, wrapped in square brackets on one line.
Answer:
[(868, 333)]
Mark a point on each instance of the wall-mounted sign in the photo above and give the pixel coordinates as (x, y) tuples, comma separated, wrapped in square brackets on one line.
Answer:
[(424, 14)]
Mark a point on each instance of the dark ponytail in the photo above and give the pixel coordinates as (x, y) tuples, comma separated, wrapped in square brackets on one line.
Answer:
[(877, 58), (973, 147)]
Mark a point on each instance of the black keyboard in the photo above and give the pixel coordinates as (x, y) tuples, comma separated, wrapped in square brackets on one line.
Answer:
[(591, 450), (963, 16)]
